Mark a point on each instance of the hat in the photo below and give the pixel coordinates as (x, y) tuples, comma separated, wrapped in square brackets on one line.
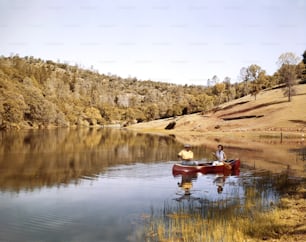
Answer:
[(187, 145)]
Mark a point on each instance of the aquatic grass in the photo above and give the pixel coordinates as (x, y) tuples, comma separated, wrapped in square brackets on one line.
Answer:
[(223, 220), (181, 226), (264, 225), (191, 223), (253, 214)]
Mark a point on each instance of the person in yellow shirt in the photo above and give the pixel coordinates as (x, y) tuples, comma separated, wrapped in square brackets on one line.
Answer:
[(186, 155)]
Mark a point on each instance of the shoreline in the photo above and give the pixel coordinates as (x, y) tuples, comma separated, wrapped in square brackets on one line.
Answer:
[(203, 135)]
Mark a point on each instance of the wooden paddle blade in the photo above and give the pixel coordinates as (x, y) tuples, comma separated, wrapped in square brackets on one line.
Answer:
[(227, 166)]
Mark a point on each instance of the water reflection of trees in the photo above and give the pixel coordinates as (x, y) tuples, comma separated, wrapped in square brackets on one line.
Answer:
[(32, 159)]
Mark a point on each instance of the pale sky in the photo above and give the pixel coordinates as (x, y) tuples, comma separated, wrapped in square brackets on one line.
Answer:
[(176, 41)]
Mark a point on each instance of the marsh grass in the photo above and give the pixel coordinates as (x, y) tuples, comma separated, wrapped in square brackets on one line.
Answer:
[(226, 220), (179, 225)]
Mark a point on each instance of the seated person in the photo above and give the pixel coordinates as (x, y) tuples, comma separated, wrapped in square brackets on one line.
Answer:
[(186, 155), (220, 155)]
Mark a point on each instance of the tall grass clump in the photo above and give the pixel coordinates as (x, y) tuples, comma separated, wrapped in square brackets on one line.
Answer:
[(182, 225), (225, 220)]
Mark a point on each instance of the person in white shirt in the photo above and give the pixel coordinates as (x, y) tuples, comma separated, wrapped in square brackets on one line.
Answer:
[(220, 155)]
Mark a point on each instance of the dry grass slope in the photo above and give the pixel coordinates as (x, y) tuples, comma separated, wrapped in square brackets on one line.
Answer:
[(269, 112)]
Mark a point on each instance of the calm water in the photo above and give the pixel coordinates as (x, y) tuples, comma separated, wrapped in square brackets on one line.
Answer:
[(102, 185)]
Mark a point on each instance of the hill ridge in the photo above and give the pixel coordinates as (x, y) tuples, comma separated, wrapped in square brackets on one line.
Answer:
[(271, 111)]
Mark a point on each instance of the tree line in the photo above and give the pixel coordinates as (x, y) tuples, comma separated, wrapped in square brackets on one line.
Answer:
[(37, 93)]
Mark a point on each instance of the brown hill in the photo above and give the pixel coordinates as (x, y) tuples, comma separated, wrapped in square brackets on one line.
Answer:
[(271, 111)]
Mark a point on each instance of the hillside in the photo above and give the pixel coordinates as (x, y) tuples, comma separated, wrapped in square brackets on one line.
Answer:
[(37, 93), (271, 111)]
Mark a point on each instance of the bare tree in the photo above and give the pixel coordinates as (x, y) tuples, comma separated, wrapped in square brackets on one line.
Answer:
[(287, 62), (214, 80), (227, 82), (244, 77), (304, 69)]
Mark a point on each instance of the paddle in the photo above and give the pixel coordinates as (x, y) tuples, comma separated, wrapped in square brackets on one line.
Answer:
[(227, 166)]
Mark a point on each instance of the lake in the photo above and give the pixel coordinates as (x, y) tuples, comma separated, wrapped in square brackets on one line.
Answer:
[(104, 184)]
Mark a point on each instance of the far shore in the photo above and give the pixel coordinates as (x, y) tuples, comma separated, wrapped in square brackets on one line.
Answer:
[(199, 137)]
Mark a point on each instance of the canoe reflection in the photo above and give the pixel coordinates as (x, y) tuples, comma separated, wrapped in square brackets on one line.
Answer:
[(220, 181), (186, 186), (187, 180)]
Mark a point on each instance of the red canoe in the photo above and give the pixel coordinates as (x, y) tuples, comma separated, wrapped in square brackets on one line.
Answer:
[(232, 167)]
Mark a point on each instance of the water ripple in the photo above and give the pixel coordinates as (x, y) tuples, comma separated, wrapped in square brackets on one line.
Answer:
[(37, 224), (139, 170)]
